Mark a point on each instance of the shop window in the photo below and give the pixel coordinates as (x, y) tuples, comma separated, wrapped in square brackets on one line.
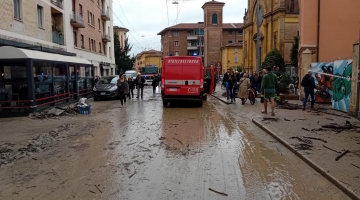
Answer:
[(60, 79), (13, 86), (43, 77)]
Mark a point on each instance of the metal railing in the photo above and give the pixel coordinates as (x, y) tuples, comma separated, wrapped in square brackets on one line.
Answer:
[(58, 3), (58, 38), (107, 37), (105, 13), (77, 18)]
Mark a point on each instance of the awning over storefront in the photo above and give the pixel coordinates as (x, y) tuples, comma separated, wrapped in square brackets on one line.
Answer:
[(8, 52)]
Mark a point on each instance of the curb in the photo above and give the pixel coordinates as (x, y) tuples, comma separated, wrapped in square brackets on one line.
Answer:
[(317, 168), (221, 99)]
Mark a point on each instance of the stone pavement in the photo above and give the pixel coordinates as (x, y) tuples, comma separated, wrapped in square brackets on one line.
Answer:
[(344, 173)]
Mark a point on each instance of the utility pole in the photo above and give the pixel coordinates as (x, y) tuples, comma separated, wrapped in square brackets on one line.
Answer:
[(258, 23)]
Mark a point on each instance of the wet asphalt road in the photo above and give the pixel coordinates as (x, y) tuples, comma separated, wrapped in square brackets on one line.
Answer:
[(148, 152), (187, 152)]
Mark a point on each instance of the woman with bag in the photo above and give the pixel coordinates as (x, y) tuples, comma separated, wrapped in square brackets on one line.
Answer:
[(123, 88), (244, 86)]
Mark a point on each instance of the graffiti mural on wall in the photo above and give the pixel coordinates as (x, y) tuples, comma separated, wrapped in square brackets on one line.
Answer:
[(333, 83)]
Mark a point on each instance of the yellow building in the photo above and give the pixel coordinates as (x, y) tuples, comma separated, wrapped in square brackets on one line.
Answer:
[(151, 57), (232, 56), (279, 24)]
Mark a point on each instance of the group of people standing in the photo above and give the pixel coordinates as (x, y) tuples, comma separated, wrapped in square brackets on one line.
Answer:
[(238, 83), (126, 87)]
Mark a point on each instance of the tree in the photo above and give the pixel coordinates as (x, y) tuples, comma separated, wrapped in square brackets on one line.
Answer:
[(294, 52), (274, 58), (122, 58)]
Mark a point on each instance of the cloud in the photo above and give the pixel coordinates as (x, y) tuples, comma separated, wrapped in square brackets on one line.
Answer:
[(149, 17)]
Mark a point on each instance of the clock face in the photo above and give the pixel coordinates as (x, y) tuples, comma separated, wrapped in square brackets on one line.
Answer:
[(259, 15)]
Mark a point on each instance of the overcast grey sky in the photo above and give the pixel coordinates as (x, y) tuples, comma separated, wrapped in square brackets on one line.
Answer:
[(148, 17)]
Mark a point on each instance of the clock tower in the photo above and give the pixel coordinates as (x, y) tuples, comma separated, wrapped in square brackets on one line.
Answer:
[(213, 26)]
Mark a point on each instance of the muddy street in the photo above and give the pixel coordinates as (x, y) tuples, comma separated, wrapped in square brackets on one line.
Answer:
[(146, 151)]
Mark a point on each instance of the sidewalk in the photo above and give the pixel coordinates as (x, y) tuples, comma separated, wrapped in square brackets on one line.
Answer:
[(344, 173)]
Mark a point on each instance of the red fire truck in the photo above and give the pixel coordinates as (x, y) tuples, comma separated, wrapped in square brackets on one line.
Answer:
[(182, 79)]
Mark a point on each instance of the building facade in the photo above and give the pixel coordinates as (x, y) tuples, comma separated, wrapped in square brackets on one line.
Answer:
[(122, 33), (321, 25), (203, 39), (79, 28), (89, 33), (232, 56), (151, 57), (278, 24)]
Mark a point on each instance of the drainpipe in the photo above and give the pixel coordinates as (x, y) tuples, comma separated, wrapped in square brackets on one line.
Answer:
[(358, 84), (318, 33)]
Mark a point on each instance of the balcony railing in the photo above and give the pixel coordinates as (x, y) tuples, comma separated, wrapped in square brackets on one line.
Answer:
[(58, 3), (77, 20), (106, 38), (105, 14), (58, 38)]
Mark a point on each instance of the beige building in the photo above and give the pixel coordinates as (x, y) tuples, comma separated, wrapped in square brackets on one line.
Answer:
[(79, 28), (122, 33), (151, 57), (89, 33)]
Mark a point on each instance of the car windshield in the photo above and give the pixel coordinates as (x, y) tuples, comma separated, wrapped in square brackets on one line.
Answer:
[(108, 80), (150, 70)]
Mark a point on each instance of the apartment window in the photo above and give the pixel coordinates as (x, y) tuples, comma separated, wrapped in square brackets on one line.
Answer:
[(17, 9), (100, 47), (75, 38), (81, 10), (99, 24), (82, 41), (103, 27), (176, 33), (40, 16), (214, 19), (230, 32), (94, 45), (177, 43), (236, 59), (91, 18), (236, 50), (239, 41), (240, 33), (110, 52), (176, 53), (89, 44), (104, 46), (229, 42)]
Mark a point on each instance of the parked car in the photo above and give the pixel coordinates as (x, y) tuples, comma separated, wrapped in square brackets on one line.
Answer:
[(106, 87)]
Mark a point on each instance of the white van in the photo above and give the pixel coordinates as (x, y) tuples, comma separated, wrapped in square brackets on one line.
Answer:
[(130, 74)]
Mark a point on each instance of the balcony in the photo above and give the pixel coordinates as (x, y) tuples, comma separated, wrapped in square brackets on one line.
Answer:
[(57, 3), (105, 15), (58, 38), (192, 47), (106, 38), (192, 37), (77, 20)]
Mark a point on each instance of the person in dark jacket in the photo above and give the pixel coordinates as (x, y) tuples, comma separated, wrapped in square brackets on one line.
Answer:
[(140, 83), (308, 82), (232, 86), (131, 88), (155, 83)]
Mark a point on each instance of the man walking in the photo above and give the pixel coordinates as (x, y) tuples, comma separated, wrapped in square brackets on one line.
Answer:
[(268, 85), (140, 82), (308, 82)]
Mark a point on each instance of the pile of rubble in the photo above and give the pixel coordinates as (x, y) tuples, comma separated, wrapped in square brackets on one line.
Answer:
[(55, 112), (9, 154)]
